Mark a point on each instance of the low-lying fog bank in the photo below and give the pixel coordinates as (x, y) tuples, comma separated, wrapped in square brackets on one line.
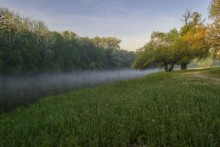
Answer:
[(20, 90)]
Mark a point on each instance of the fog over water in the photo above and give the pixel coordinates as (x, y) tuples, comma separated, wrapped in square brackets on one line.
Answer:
[(19, 90)]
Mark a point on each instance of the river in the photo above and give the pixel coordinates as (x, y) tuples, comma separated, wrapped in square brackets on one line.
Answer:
[(20, 90)]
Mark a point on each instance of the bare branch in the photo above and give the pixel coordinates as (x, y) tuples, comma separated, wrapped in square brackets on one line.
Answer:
[(188, 14)]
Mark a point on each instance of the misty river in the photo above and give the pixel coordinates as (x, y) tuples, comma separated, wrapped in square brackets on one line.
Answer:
[(20, 90)]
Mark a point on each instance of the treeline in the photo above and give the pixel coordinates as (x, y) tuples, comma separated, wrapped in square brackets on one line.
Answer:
[(27, 45), (194, 41)]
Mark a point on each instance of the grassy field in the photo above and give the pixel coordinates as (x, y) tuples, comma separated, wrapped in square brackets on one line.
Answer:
[(162, 109)]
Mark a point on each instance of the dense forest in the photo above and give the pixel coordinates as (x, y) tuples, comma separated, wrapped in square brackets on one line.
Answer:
[(28, 46), (195, 40)]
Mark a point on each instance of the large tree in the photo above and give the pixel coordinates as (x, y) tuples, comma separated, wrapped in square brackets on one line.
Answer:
[(161, 51), (193, 25), (176, 47)]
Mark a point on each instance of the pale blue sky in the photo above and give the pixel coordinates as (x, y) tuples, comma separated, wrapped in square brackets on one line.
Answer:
[(132, 21)]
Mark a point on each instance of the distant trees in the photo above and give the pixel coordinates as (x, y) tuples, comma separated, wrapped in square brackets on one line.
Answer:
[(27, 45), (175, 47)]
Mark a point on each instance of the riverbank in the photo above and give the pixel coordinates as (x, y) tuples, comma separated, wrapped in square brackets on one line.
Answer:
[(162, 109), (25, 89)]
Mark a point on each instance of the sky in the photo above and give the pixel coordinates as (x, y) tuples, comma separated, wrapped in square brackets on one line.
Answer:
[(132, 21)]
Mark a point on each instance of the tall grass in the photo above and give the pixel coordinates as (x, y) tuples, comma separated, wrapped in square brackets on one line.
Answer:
[(163, 109)]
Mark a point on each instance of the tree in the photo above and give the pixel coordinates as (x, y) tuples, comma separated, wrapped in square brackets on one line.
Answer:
[(127, 57), (176, 47), (214, 9), (11, 29), (161, 51), (110, 45), (27, 45), (213, 37), (193, 27), (214, 28)]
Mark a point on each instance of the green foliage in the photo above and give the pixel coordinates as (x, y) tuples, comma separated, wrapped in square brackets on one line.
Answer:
[(26, 45), (163, 109), (145, 58), (213, 29), (161, 51), (214, 72), (175, 47), (214, 9)]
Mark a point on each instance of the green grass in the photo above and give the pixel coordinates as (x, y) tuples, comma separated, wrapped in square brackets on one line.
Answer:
[(214, 72), (162, 109)]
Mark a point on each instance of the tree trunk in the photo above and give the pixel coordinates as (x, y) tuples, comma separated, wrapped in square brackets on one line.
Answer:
[(166, 67), (184, 66), (171, 67)]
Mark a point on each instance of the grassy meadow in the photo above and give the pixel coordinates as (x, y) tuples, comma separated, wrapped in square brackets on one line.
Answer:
[(180, 108)]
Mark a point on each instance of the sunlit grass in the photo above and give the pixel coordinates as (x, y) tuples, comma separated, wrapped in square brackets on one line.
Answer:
[(163, 109)]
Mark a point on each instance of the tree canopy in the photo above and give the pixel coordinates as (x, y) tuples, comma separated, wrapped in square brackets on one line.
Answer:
[(214, 9), (175, 47), (214, 28), (27, 45)]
